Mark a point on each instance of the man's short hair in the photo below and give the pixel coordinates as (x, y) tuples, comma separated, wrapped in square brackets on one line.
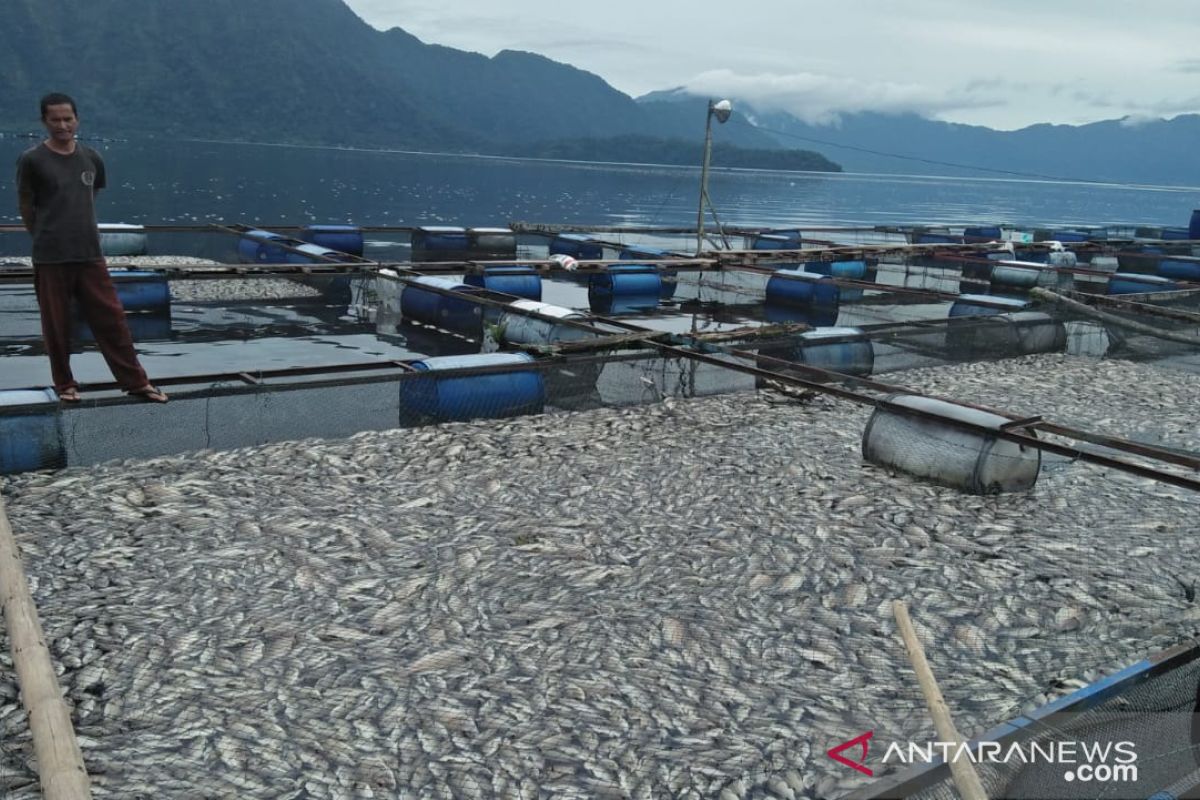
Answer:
[(57, 99)]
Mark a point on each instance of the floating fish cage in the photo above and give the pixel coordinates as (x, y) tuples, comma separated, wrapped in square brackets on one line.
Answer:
[(864, 318), (407, 350)]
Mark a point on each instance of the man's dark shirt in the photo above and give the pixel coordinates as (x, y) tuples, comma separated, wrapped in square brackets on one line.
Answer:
[(62, 190)]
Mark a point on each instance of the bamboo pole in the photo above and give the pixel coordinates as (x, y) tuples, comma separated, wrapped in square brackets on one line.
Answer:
[(1112, 319), (59, 760), (965, 778), (1120, 302)]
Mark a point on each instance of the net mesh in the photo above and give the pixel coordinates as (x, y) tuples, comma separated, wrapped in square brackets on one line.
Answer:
[(614, 594)]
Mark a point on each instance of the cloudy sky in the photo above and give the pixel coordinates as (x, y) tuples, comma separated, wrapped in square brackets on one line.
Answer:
[(1002, 64)]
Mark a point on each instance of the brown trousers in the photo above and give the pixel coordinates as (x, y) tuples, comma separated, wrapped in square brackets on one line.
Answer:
[(90, 286)]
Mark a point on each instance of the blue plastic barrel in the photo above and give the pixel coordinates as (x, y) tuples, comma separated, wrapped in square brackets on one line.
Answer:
[(969, 305), (982, 233), (492, 243), (623, 304), (816, 316), (139, 290), (1134, 283), (1194, 225), (1131, 261), (313, 254), (520, 281), (774, 241), (254, 247), (30, 439), (638, 252), (577, 246), (625, 280), (855, 270), (449, 313), (144, 326), (462, 397), (343, 238), (118, 239), (921, 237), (1068, 236), (843, 350), (439, 237), (634, 252), (1179, 270), (800, 288)]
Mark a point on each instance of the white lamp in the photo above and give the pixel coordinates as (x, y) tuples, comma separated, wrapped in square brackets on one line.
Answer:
[(720, 109)]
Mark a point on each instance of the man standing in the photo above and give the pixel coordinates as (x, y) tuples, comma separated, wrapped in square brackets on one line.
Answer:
[(57, 181)]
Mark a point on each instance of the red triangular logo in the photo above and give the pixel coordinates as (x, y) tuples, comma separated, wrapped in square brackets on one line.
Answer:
[(860, 765)]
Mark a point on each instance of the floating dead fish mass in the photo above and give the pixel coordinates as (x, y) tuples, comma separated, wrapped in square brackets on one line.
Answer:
[(686, 599)]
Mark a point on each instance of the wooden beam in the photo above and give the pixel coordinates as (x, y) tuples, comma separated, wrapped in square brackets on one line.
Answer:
[(60, 762)]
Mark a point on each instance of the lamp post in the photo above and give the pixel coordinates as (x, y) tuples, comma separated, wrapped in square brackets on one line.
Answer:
[(720, 109)]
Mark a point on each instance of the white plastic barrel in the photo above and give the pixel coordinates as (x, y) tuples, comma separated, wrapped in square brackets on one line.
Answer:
[(1035, 332), (971, 460), (1026, 275), (843, 350), (119, 239), (518, 328)]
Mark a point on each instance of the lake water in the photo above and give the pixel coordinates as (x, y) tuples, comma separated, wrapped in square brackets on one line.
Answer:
[(156, 181)]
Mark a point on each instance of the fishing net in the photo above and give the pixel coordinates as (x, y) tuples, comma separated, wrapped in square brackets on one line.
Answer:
[(551, 577)]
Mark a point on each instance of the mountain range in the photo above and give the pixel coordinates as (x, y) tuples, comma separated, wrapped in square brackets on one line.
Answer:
[(1123, 151), (312, 71)]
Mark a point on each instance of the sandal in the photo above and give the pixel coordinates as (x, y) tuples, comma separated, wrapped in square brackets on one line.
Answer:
[(70, 395), (148, 394)]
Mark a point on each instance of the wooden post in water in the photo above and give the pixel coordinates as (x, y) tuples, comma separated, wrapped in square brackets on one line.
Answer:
[(60, 763), (965, 777)]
